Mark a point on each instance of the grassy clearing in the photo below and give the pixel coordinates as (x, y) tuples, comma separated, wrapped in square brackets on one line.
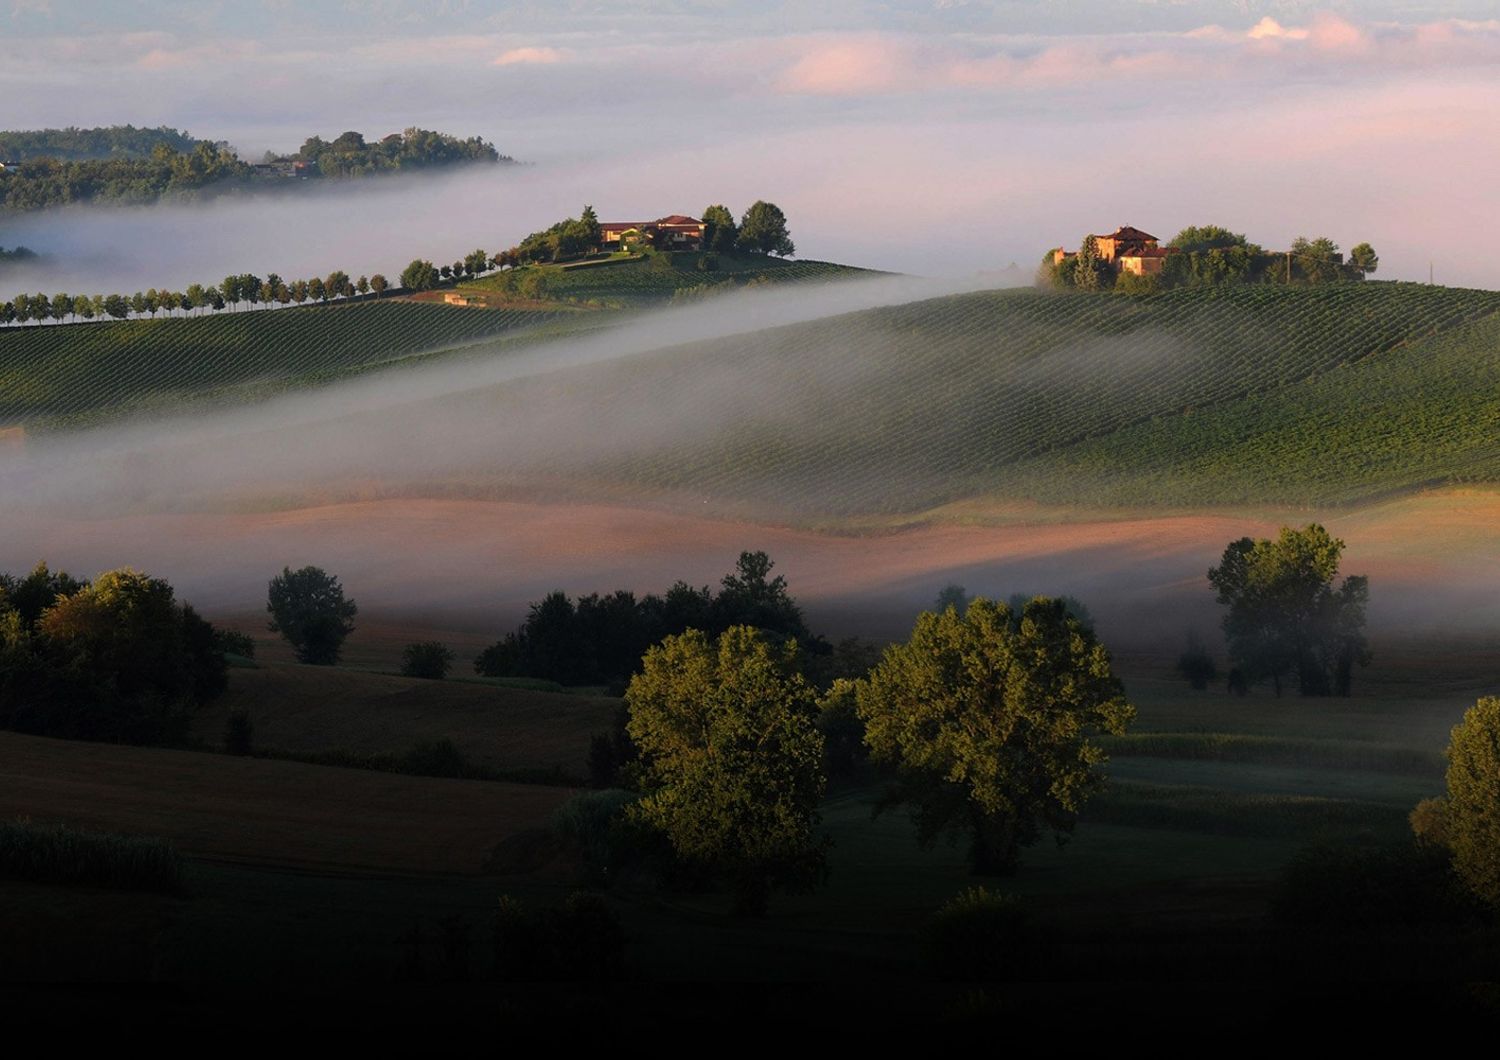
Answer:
[(55, 853), (1212, 811)]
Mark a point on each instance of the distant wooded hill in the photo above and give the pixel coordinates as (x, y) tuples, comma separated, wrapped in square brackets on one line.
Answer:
[(123, 164)]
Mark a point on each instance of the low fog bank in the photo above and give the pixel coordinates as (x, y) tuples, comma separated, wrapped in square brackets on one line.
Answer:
[(453, 419)]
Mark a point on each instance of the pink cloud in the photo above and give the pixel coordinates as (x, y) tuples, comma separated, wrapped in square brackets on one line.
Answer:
[(530, 56)]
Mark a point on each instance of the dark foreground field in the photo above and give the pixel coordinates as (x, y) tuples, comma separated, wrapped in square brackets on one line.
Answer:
[(311, 885)]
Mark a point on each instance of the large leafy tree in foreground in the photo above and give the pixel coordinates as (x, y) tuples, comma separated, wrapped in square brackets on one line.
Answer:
[(1285, 616), (1471, 817), (732, 760), (989, 719), (309, 609)]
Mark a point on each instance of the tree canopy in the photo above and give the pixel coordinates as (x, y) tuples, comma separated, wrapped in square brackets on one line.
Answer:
[(732, 760), (989, 722), (115, 659), (1471, 818), (763, 230), (309, 609), (1285, 616)]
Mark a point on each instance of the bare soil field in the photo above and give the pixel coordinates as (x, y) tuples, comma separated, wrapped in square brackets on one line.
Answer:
[(463, 571), (267, 812), (316, 708)]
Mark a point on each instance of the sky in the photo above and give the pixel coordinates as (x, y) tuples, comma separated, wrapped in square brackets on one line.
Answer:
[(945, 137)]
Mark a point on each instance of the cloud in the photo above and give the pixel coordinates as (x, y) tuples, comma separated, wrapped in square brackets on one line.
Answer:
[(538, 56)]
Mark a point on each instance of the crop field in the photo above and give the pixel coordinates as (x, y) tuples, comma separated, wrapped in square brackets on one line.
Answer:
[(1251, 394), (59, 373)]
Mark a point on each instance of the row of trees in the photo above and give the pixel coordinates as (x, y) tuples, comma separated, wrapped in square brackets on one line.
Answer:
[(230, 293), (1210, 255)]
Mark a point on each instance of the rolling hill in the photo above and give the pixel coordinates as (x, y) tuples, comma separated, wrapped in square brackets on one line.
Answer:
[(1191, 398)]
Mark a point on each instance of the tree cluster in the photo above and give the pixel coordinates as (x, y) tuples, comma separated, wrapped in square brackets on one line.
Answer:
[(75, 145), (1213, 256), (350, 156), (143, 166), (601, 639), (1285, 618), (118, 658)]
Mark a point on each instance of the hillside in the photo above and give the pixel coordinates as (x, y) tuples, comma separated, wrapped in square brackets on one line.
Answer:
[(1218, 397), (1238, 395), (57, 374)]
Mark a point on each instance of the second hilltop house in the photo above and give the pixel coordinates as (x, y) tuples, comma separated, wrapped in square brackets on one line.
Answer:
[(1126, 249), (673, 232)]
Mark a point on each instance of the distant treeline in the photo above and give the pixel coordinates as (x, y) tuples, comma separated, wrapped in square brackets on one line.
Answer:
[(201, 168), (76, 145)]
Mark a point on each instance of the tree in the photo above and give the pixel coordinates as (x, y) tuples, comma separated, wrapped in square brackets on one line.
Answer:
[(751, 597), (1196, 665), (419, 275), (1090, 271), (308, 608), (116, 306), (1363, 260), (1316, 260), (720, 233), (763, 230), (1207, 237), (378, 284), (732, 761), (1284, 614), (430, 659), (1471, 818), (337, 285), (62, 306), (229, 289), (593, 234), (316, 291), (989, 723)]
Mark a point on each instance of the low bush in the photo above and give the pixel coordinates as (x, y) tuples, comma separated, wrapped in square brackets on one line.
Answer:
[(59, 854), (579, 941), (982, 936), (232, 642), (430, 659)]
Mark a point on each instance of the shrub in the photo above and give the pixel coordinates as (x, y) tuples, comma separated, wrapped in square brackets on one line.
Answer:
[(231, 642), (1347, 887), (1429, 823), (581, 940), (591, 823), (239, 733), (439, 758), (59, 854), (1472, 820), (430, 659), (1196, 665), (981, 935)]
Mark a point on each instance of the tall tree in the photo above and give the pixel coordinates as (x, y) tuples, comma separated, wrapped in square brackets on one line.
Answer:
[(309, 609), (763, 230), (732, 761), (1284, 615), (990, 724), (720, 233)]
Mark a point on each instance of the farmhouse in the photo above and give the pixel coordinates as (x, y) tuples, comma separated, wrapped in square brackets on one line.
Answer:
[(673, 232), (1126, 249)]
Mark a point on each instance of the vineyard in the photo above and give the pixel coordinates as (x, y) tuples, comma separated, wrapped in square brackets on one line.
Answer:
[(1246, 394), (646, 281), (1240, 395), (53, 375)]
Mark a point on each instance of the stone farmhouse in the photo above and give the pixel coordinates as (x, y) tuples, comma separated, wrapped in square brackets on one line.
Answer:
[(1126, 249), (673, 232)]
